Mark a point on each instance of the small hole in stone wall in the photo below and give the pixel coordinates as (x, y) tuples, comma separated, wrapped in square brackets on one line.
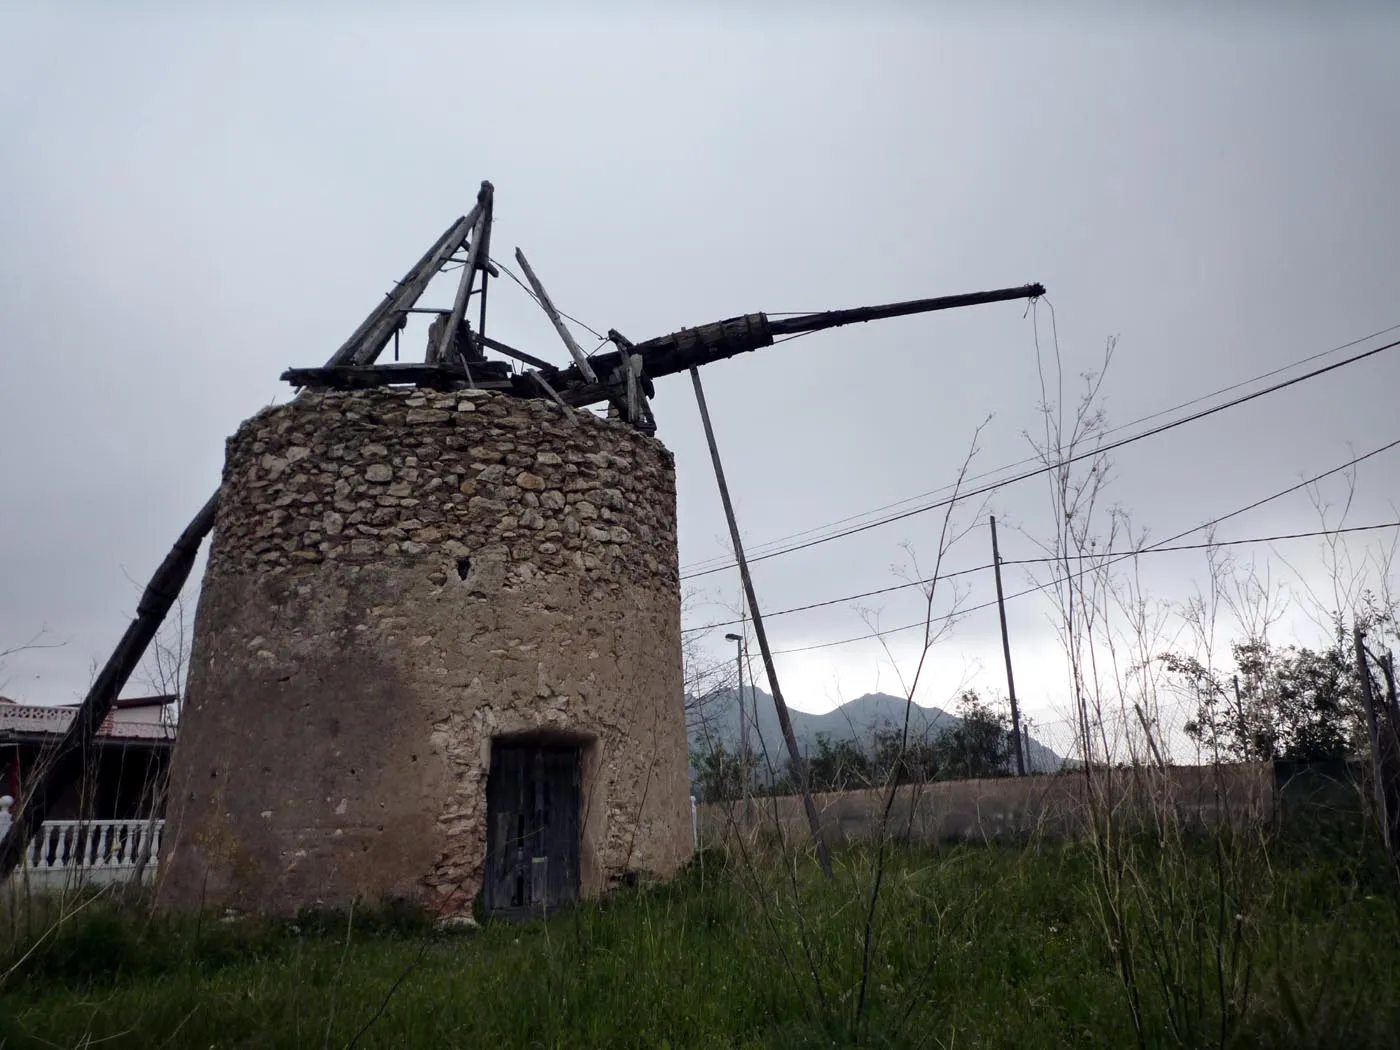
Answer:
[(352, 772), (464, 566), (413, 758)]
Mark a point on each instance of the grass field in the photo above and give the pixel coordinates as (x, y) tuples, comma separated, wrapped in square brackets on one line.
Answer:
[(974, 946)]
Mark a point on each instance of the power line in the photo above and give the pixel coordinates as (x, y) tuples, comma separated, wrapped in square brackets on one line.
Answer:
[(1110, 561), (707, 566), (1157, 547), (1047, 561), (531, 293)]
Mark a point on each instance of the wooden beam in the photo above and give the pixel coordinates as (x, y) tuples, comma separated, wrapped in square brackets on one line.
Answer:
[(371, 337), (489, 375), (1378, 763), (575, 351), (632, 366), (385, 305), (480, 257), (543, 384), (469, 268), (510, 351)]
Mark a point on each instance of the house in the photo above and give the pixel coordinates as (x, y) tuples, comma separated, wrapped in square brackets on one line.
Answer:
[(98, 829), (133, 754)]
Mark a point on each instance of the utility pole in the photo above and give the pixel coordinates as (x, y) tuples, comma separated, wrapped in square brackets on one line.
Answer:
[(1378, 764), (1392, 700), (1006, 650), (799, 764), (738, 640)]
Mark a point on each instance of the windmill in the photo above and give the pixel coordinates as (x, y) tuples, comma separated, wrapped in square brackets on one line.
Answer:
[(457, 357)]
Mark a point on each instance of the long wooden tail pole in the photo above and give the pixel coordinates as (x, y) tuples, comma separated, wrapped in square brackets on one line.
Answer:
[(678, 351), (784, 719), (70, 759)]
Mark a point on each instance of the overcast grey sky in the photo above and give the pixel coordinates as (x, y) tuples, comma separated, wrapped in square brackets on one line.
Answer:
[(193, 201)]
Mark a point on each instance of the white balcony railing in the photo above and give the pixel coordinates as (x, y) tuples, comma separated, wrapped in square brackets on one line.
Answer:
[(74, 852)]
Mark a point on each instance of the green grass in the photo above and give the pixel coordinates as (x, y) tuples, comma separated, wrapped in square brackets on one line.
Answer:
[(975, 947)]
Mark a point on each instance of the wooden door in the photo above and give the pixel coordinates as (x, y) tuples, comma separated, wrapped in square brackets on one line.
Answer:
[(533, 814)]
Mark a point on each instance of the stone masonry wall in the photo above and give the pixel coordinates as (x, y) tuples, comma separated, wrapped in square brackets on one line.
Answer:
[(395, 578)]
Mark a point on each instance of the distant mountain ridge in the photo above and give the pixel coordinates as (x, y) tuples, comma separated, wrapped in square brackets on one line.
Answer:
[(716, 720)]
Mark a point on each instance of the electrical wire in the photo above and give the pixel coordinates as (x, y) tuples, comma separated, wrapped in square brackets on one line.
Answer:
[(759, 549), (1046, 561), (531, 293), (1109, 561), (1097, 450), (1160, 546)]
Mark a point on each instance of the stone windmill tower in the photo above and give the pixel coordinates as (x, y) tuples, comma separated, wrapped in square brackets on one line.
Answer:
[(437, 649), (437, 652)]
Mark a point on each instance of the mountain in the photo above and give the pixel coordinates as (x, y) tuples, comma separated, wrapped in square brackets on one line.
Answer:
[(716, 720)]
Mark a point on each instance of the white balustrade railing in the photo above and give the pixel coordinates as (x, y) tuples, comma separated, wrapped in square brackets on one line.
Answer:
[(107, 850)]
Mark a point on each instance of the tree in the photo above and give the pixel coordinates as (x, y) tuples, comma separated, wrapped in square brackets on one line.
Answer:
[(1289, 702), (842, 765), (36, 642), (981, 745), (917, 761), (718, 775)]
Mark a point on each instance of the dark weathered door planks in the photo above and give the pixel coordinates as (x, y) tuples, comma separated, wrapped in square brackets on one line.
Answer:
[(533, 828)]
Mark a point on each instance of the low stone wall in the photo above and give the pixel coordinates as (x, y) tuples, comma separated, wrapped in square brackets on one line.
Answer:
[(1012, 807), (396, 579)]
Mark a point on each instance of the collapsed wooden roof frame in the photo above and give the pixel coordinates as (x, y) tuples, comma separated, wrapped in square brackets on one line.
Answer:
[(455, 358)]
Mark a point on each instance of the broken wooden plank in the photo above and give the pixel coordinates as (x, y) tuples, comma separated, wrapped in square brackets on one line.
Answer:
[(386, 305), (575, 351), (488, 375), (543, 384), (469, 268), (510, 351), (373, 335)]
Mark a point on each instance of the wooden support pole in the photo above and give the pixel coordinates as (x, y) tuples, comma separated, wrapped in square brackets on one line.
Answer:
[(464, 286), (482, 260), (633, 364), (1147, 730), (581, 361), (575, 351), (70, 758), (1392, 699), (1378, 765), (510, 351), (799, 764), (1006, 651), (367, 341), (543, 384)]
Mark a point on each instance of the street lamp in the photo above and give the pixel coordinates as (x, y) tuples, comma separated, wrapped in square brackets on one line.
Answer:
[(738, 640)]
